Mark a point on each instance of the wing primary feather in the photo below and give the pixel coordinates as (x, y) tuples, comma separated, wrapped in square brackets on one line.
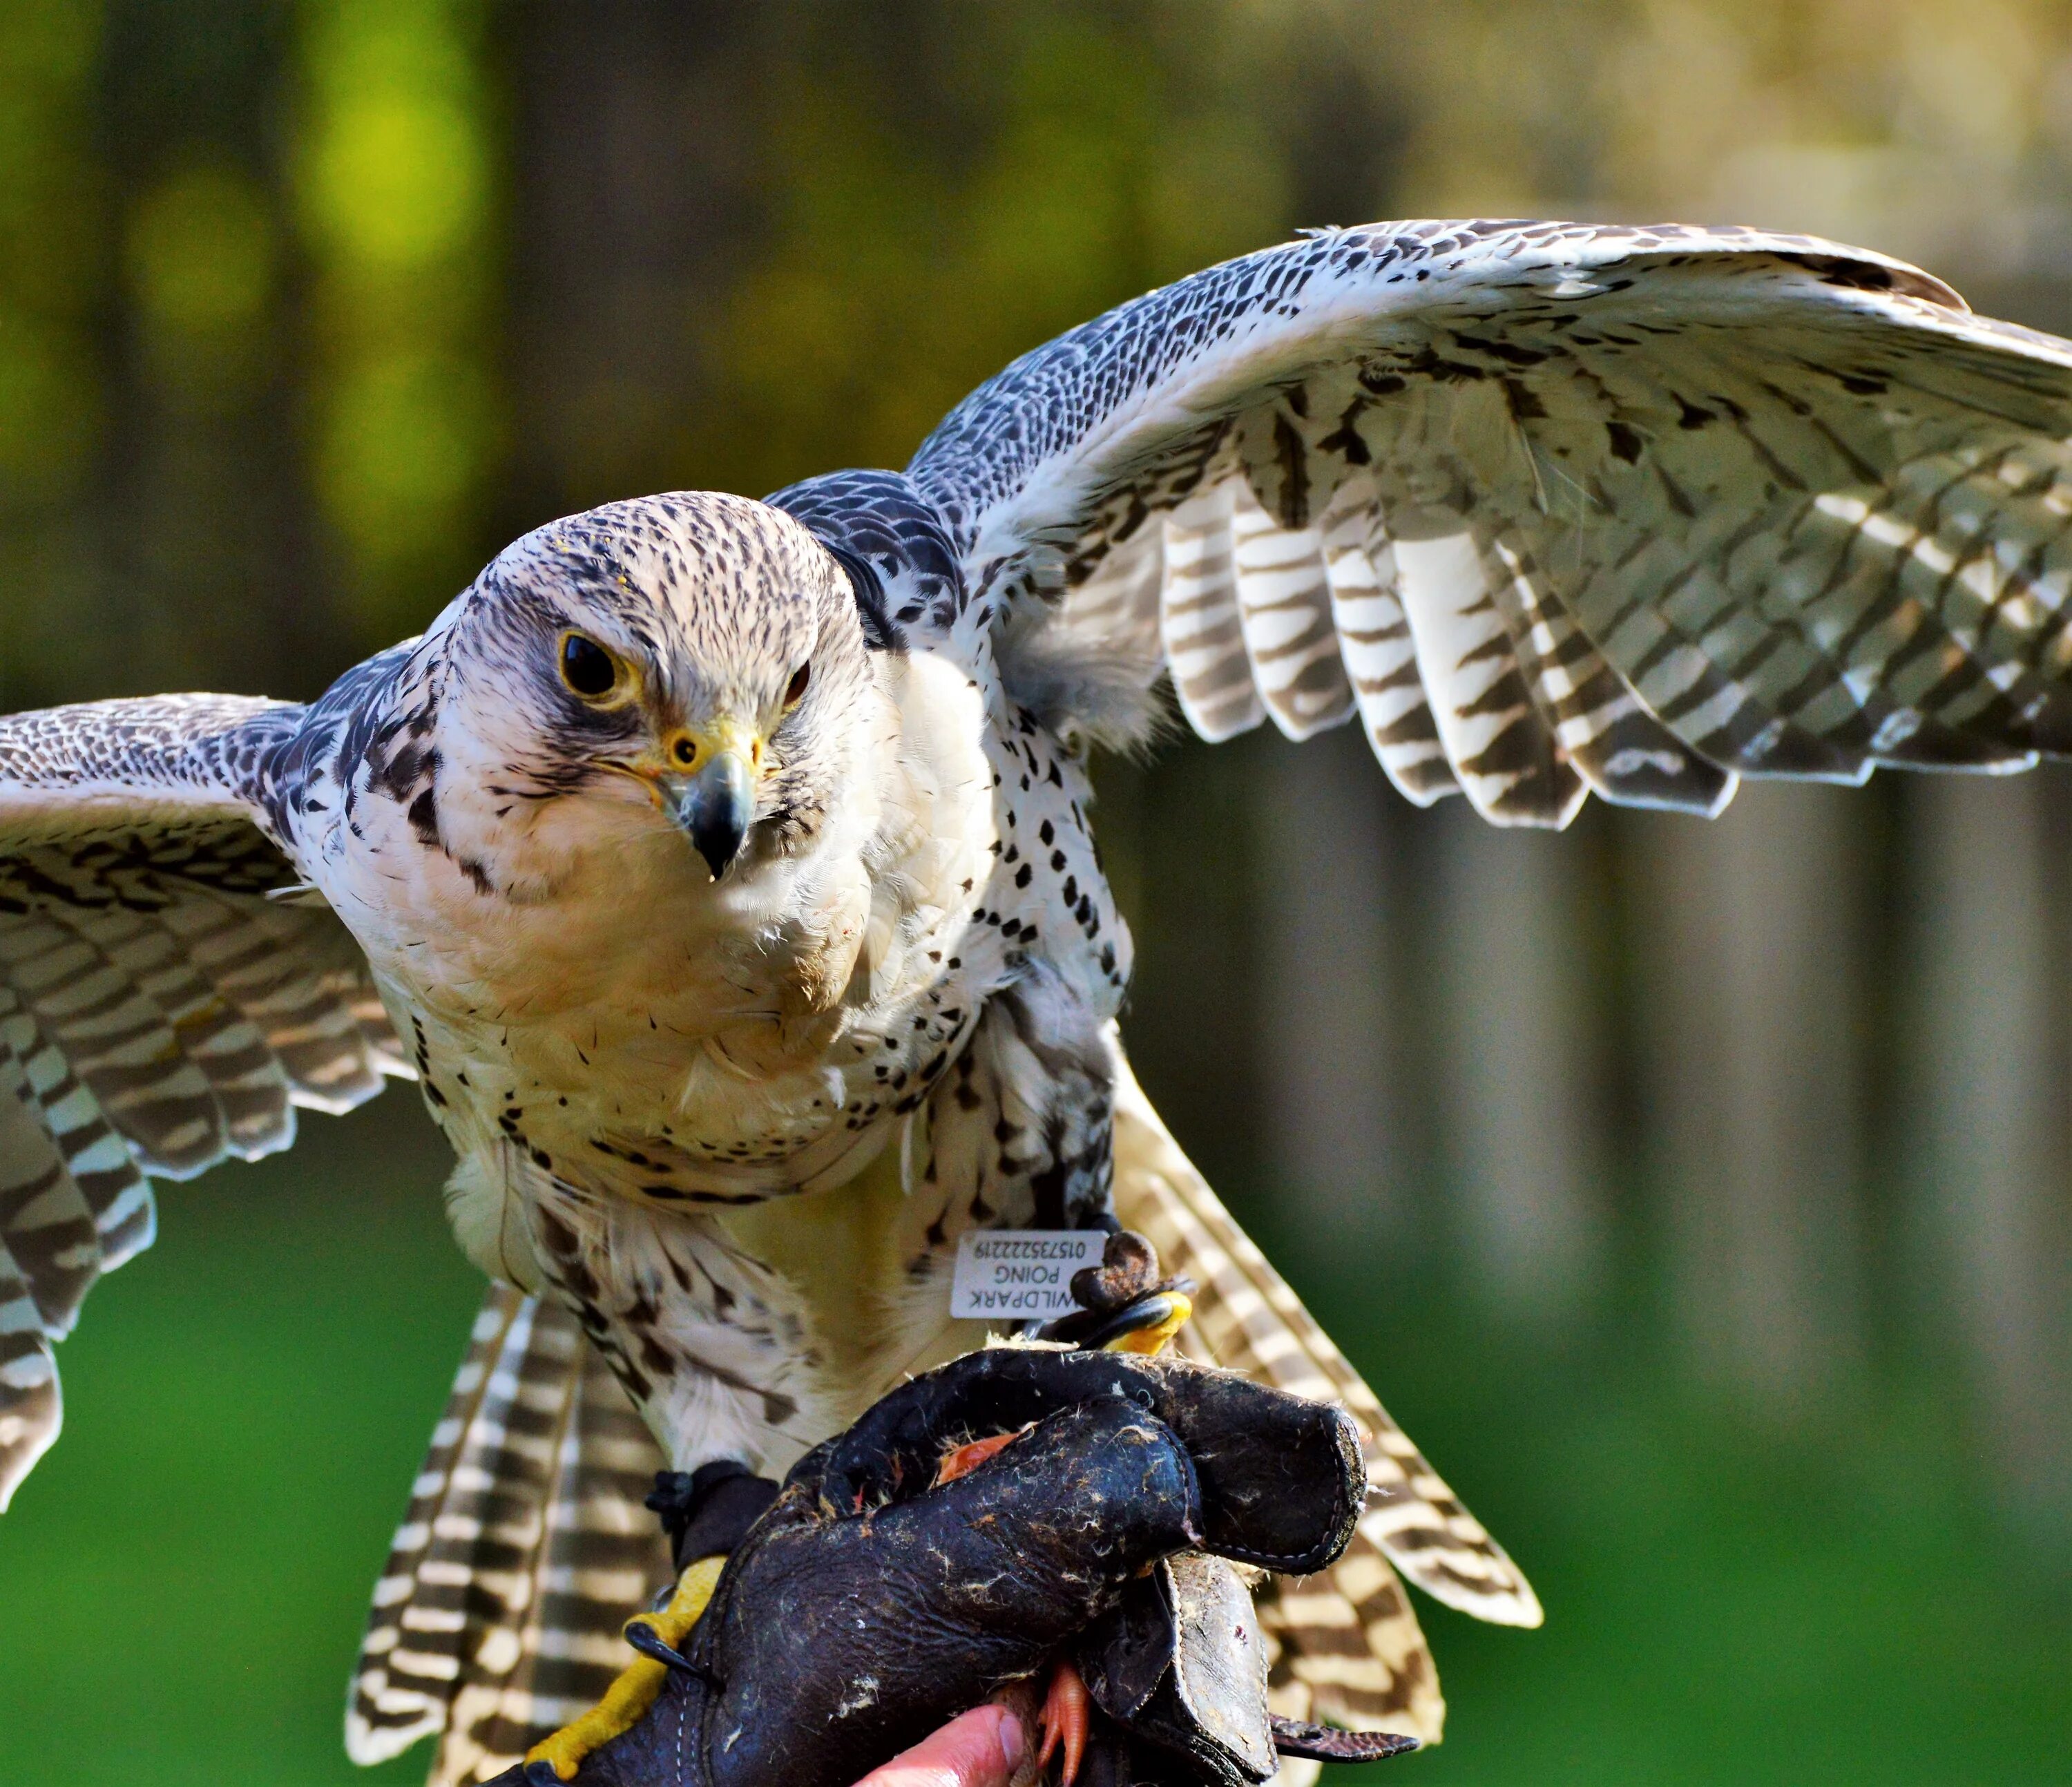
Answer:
[(1805, 507), (158, 1012), (1620, 750), (1249, 1319), (462, 1552), (1500, 745), (526, 1547), (1203, 633), (602, 1560), (1284, 605), (30, 1409), (96, 1157), (1345, 1644), (1379, 657)]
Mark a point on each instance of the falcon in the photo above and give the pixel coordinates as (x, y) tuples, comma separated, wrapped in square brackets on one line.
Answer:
[(721, 870)]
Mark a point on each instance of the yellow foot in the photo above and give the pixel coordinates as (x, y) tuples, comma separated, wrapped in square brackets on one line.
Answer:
[(1152, 1339), (627, 1701)]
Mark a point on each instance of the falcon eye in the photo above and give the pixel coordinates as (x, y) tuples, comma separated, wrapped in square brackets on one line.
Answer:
[(587, 668), (797, 686)]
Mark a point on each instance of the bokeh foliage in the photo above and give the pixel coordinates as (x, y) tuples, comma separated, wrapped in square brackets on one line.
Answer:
[(306, 306)]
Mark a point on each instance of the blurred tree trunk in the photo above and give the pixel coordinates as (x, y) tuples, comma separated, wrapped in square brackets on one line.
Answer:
[(1749, 939), (1193, 856), (1333, 1038), (638, 153), (1521, 1052), (1993, 1118), (56, 250)]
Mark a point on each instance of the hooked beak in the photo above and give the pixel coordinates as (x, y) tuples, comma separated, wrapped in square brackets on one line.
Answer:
[(715, 804)]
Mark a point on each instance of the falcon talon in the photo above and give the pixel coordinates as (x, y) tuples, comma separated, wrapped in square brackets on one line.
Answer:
[(636, 1687), (1298, 1737), (650, 1643)]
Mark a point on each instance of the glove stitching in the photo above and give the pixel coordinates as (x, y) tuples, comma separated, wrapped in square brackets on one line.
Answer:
[(683, 1741)]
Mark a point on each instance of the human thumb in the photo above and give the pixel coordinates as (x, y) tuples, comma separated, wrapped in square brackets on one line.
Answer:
[(982, 1748)]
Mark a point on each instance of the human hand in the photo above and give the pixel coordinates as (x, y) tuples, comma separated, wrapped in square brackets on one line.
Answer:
[(983, 1747)]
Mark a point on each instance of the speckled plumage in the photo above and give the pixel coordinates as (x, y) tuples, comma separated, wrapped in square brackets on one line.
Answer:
[(1550, 510)]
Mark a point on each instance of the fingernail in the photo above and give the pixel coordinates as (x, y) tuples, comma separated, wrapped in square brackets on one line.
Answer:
[(1012, 1745)]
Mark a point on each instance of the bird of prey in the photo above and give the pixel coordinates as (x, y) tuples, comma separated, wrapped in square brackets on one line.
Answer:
[(721, 870)]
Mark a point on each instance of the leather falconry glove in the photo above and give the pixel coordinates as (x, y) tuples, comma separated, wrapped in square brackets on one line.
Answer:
[(871, 1600)]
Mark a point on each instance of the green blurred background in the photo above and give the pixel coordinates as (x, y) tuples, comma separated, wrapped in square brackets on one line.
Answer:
[(1700, 1197)]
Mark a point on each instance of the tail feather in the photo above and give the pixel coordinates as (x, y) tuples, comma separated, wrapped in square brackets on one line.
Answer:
[(1348, 1647), (460, 1570), (602, 1560), (525, 1548)]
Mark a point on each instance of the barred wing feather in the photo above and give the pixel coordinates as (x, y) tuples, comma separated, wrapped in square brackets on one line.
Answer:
[(1348, 1645), (159, 1010), (1552, 509), (526, 1547)]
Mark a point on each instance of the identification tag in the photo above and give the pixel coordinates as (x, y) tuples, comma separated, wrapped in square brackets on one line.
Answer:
[(1020, 1274)]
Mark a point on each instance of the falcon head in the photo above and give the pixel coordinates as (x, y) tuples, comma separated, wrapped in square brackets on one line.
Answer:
[(691, 662)]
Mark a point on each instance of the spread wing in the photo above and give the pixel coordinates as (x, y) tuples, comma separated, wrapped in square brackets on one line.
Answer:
[(160, 1007), (1552, 508)]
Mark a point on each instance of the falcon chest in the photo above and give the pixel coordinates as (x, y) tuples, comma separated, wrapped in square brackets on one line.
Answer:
[(641, 1030)]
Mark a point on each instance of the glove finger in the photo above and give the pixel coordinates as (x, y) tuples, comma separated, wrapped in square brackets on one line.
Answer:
[(844, 1641), (1282, 1481), (1181, 1664)]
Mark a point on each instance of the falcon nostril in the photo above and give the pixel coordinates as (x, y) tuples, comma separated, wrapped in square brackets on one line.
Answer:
[(685, 752)]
